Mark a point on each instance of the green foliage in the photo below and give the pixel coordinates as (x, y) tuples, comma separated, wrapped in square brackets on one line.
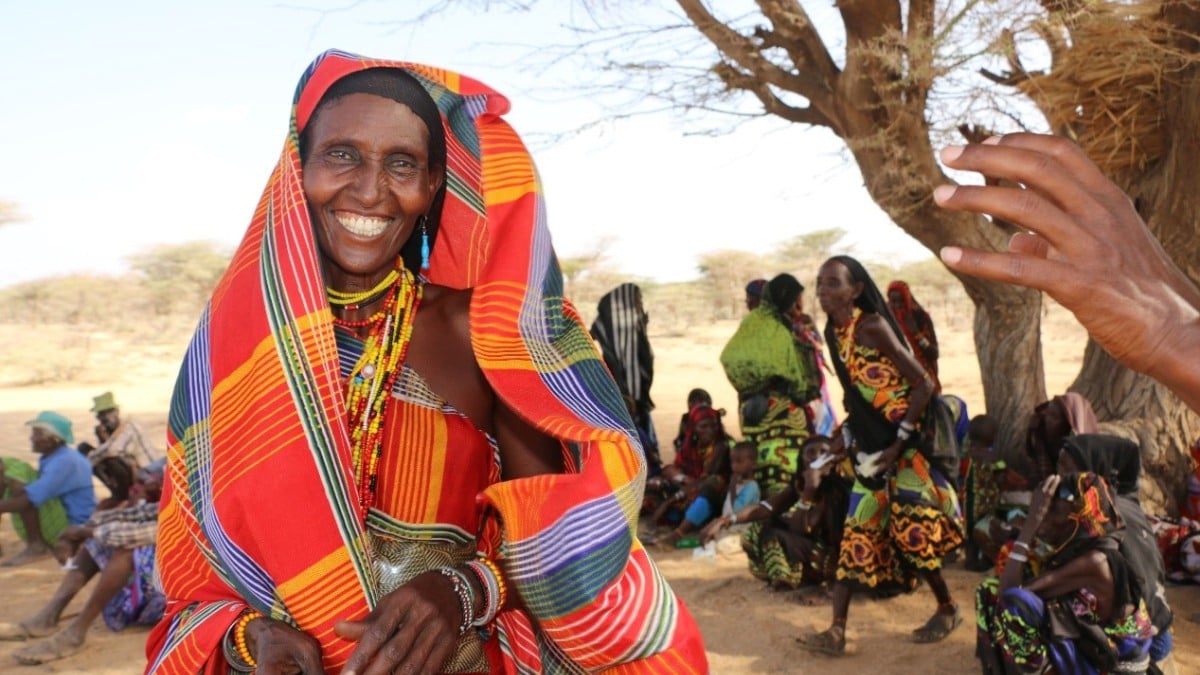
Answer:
[(176, 276)]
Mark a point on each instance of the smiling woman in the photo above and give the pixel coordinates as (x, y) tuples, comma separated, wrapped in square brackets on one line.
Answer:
[(361, 406)]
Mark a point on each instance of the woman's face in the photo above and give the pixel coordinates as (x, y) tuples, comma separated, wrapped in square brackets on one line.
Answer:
[(836, 289), (706, 431), (1058, 526), (367, 179)]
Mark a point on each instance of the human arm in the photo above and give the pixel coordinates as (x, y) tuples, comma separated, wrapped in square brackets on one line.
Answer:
[(875, 332), (1085, 245), (1039, 507), (762, 509)]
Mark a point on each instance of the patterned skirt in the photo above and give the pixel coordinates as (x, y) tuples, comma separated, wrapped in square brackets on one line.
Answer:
[(1014, 631), (787, 559), (895, 533), (778, 437), (139, 602)]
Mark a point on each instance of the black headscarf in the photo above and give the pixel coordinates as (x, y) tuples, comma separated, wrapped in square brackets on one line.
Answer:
[(781, 293), (872, 431), (1117, 460), (403, 88)]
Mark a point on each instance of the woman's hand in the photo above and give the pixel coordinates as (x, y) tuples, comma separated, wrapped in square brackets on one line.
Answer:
[(413, 629), (281, 649), (1039, 507), (1086, 246), (888, 461), (713, 529)]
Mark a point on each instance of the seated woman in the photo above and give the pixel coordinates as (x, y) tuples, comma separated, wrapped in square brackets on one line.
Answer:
[(118, 546), (742, 491), (799, 546), (1074, 609), (1119, 462), (1053, 421), (701, 467)]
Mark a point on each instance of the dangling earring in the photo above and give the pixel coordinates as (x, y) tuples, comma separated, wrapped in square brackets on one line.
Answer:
[(424, 244)]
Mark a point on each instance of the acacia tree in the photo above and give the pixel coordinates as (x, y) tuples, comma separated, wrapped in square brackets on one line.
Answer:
[(1121, 80)]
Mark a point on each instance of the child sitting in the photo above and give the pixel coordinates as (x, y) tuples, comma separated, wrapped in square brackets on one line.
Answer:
[(743, 491)]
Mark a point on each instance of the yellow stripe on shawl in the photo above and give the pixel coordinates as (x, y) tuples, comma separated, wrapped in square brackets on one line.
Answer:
[(507, 177), (326, 588)]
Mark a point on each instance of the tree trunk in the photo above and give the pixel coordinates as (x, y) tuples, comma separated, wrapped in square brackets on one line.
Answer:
[(900, 174)]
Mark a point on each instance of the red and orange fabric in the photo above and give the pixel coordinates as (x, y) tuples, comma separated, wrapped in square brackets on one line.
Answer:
[(917, 327), (260, 506)]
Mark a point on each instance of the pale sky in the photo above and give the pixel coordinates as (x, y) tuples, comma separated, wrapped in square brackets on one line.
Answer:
[(131, 123)]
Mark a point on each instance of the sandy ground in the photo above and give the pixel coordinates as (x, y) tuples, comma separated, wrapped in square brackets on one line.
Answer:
[(747, 629)]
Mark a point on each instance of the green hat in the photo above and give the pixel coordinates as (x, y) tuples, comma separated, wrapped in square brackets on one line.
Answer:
[(104, 402), (54, 423)]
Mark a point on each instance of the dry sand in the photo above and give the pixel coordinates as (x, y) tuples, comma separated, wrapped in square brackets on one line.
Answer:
[(747, 629)]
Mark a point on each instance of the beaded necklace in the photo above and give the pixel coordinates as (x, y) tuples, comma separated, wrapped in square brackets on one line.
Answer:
[(353, 301), (373, 377)]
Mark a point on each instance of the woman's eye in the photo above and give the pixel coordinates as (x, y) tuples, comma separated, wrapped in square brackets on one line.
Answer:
[(401, 165), (339, 155)]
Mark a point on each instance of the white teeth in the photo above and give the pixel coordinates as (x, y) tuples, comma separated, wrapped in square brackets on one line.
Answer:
[(363, 226)]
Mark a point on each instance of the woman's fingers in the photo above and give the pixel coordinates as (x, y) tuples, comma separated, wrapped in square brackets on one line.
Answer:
[(371, 635), (1066, 154), (1056, 278), (1029, 243), (1024, 208)]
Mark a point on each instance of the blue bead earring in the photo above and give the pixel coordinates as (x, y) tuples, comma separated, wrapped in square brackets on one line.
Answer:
[(424, 244)]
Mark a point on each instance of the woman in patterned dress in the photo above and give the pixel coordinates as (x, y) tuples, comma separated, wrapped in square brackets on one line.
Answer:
[(903, 516)]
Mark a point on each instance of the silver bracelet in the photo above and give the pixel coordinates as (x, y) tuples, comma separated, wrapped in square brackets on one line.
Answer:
[(1019, 557), (767, 505), (462, 588), (903, 434), (733, 518)]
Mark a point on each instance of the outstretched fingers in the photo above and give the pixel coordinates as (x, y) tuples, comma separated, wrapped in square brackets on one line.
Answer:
[(1051, 276)]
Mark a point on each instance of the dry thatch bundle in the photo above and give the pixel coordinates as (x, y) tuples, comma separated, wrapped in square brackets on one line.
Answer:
[(1107, 87)]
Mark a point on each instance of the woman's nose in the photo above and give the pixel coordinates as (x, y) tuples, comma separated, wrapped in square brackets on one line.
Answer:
[(370, 182)]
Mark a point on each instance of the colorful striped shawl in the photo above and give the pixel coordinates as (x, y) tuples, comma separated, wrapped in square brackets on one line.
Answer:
[(257, 428)]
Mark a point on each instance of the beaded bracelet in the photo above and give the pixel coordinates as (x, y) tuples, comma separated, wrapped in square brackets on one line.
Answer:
[(462, 588), (502, 595), (237, 652), (491, 592)]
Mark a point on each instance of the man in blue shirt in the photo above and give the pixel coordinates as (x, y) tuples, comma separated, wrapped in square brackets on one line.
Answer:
[(63, 474)]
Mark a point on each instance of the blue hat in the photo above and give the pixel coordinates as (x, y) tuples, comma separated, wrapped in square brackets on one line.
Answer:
[(54, 423)]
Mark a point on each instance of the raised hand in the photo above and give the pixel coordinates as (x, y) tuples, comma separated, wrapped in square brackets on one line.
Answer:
[(1086, 246)]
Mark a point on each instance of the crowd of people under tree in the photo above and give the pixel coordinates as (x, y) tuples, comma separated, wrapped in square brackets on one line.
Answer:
[(440, 326), (907, 483)]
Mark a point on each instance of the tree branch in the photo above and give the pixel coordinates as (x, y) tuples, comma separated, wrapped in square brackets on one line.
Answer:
[(736, 79), (746, 57), (800, 38)]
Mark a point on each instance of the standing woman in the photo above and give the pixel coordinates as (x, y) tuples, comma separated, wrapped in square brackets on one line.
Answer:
[(393, 447), (776, 376), (903, 516), (624, 341), (916, 324)]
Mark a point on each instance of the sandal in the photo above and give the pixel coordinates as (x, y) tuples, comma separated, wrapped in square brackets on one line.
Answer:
[(825, 642), (45, 651), (938, 627)]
